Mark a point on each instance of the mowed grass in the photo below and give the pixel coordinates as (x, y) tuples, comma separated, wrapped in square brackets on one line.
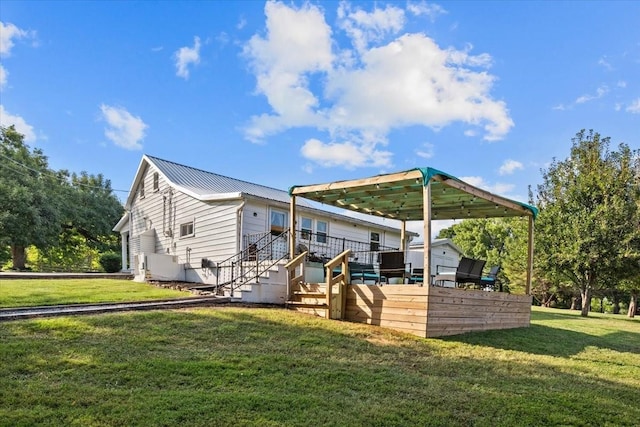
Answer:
[(22, 293), (235, 366)]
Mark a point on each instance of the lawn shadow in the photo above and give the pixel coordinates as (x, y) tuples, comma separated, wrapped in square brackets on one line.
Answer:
[(551, 341)]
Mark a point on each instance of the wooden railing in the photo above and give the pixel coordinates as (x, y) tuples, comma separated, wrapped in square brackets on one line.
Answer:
[(337, 311), (291, 268)]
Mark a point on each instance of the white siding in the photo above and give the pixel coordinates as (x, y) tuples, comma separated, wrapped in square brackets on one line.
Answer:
[(215, 223)]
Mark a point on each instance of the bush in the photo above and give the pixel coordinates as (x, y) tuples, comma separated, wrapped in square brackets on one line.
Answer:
[(111, 262)]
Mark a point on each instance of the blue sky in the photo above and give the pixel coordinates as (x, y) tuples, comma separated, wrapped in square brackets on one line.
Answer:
[(293, 93)]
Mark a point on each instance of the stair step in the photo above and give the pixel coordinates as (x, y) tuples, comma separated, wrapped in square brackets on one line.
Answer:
[(304, 294), (306, 305)]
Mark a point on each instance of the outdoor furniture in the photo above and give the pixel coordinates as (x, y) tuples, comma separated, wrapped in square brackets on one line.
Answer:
[(392, 265), (469, 270), (360, 272), (489, 281), (417, 276)]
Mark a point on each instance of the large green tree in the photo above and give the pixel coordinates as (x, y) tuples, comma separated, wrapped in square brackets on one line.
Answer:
[(51, 210), (29, 197), (587, 230)]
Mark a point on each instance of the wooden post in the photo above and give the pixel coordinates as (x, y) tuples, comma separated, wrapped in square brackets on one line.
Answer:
[(426, 233), (292, 227), (403, 236), (530, 256)]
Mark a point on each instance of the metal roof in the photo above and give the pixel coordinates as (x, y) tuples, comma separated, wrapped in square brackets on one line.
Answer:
[(401, 196), (203, 184)]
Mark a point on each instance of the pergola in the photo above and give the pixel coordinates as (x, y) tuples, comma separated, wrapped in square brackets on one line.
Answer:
[(417, 194)]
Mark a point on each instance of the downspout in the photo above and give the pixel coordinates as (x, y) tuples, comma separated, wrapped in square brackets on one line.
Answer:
[(239, 225)]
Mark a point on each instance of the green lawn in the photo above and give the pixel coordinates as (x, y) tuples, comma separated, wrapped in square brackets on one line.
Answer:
[(246, 366), (19, 293)]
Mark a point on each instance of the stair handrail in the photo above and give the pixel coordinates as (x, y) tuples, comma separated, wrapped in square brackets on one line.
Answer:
[(256, 267), (341, 259), (291, 267)]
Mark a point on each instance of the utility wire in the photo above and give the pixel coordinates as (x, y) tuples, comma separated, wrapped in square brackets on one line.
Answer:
[(51, 175)]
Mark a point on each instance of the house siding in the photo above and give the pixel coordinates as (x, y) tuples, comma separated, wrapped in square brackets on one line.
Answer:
[(215, 223)]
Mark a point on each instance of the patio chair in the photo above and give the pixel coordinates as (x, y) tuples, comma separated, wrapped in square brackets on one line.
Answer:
[(417, 276), (489, 281), (469, 270), (392, 265)]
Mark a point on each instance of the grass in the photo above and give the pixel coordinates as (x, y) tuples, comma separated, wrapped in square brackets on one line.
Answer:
[(34, 292), (248, 366)]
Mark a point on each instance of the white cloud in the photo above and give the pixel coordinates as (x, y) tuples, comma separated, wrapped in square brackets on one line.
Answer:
[(7, 119), (499, 188), (621, 84), (604, 63), (361, 95), (600, 92), (426, 151), (186, 56), (559, 107), (347, 154), (431, 10), (634, 107), (510, 166), (9, 33), (125, 130), (365, 27), (3, 76)]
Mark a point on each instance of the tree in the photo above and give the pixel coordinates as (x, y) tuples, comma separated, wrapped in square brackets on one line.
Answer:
[(499, 241), (30, 213), (587, 230), (49, 209)]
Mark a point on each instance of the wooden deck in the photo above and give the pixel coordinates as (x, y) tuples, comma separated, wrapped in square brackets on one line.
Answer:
[(444, 311)]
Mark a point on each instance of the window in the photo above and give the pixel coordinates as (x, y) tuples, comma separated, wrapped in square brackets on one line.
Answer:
[(156, 181), (306, 228), (142, 189), (278, 222), (321, 232), (186, 229), (374, 242)]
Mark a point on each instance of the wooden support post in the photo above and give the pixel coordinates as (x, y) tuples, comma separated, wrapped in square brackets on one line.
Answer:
[(403, 236), (530, 256), (292, 227), (426, 233)]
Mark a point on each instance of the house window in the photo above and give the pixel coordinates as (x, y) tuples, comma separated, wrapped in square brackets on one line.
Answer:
[(278, 222), (186, 229), (374, 242), (142, 189), (321, 231), (306, 228), (156, 181)]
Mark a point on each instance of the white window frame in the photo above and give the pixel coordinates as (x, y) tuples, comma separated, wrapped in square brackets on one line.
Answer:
[(306, 232), (285, 219), (322, 234), (193, 229), (141, 189)]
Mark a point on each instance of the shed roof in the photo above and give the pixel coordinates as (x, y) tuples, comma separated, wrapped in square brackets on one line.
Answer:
[(400, 196)]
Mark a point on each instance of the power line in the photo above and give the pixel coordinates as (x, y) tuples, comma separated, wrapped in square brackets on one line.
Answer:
[(39, 172)]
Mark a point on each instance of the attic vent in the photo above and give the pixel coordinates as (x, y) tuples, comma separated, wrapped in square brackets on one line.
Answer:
[(156, 181)]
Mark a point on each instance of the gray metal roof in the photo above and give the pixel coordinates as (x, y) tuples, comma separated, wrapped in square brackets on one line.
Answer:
[(203, 183)]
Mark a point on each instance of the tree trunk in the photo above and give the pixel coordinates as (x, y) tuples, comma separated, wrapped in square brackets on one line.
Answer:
[(19, 257), (616, 304), (574, 303), (632, 305), (585, 294)]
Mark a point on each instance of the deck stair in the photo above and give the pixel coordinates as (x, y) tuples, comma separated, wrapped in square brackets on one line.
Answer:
[(309, 298)]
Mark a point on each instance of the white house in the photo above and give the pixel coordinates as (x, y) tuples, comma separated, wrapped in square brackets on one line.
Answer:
[(444, 253), (186, 224)]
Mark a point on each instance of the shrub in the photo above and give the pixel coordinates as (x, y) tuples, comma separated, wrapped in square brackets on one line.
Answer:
[(110, 261)]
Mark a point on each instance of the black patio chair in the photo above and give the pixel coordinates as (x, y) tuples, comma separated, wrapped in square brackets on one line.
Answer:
[(489, 281), (392, 265)]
